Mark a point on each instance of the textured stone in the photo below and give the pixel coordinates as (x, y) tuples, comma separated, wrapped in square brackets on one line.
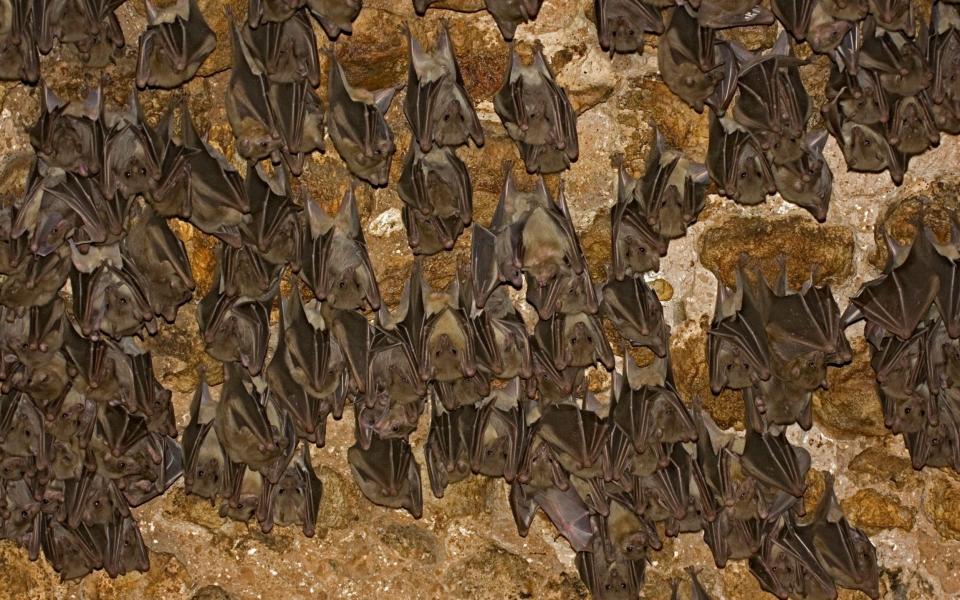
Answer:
[(799, 240), (874, 511), (878, 465), (941, 504), (850, 405)]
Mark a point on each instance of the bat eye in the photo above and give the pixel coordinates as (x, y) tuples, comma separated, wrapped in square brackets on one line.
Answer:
[(200, 473), (127, 174)]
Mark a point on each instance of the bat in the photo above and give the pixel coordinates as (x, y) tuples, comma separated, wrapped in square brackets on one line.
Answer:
[(447, 346), (437, 106), (252, 116), (438, 198), (627, 535), (356, 121), (19, 58), (131, 154), (249, 428), (104, 371), (509, 14), (636, 246), (307, 409), (392, 376), (299, 119), (671, 192), (772, 461), (537, 115), (386, 420), (563, 507), (334, 260), (69, 135), (578, 437), (206, 468), (388, 474), (817, 23), (900, 298), (859, 96), (899, 63), (242, 501), (35, 282), (295, 499), (912, 130), (73, 553), (284, 51), (450, 444), (161, 258), (234, 330), (502, 342), (737, 162), (501, 434), (272, 11), (197, 183), (92, 27), (667, 493), (651, 414), (786, 566), (893, 15), (151, 399), (693, 66), (854, 10), (621, 24), (573, 341), (174, 45), (312, 354), (111, 301), (865, 147), (807, 181), (937, 444), (737, 345), (275, 230), (845, 552), (335, 16), (609, 579), (244, 273), (942, 48)]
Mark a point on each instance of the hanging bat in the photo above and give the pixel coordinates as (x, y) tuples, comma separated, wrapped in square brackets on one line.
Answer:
[(865, 147), (311, 353), (509, 14), (243, 272), (912, 130), (900, 298), (437, 106), (111, 301), (284, 51), (125, 551), (272, 11), (104, 372), (937, 444), (388, 474), (334, 262), (299, 120), (307, 410), (92, 27), (808, 181), (293, 500), (234, 330), (845, 552), (447, 343), (578, 437), (503, 345), (19, 60), (500, 435), (635, 245), (696, 68), (35, 282), (672, 191), (942, 48), (859, 96), (737, 345), (392, 376), (73, 553), (893, 15), (275, 230), (574, 341), (609, 579), (206, 468), (356, 120), (627, 535), (197, 182), (161, 258), (772, 461), (69, 135), (621, 24), (173, 47), (438, 197), (250, 431), (252, 116), (563, 507), (242, 501), (335, 16), (786, 566), (667, 491), (816, 22), (393, 420), (901, 65), (131, 155), (450, 446), (737, 163), (537, 115)]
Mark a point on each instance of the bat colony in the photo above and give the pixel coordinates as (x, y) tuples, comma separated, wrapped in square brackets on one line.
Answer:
[(87, 432)]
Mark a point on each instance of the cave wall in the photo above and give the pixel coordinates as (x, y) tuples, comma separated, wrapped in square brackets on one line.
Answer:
[(466, 544)]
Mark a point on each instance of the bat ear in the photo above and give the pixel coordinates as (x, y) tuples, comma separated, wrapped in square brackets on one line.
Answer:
[(445, 47), (539, 62), (383, 98), (51, 101), (781, 47), (93, 103), (152, 12), (317, 219), (816, 140), (698, 173), (417, 54), (348, 217)]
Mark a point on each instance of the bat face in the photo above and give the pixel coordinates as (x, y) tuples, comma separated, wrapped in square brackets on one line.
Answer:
[(234, 330), (807, 182), (69, 135), (509, 14), (621, 24), (389, 421), (358, 127), (335, 16), (286, 51), (176, 42), (671, 193), (438, 198), (686, 59), (295, 499), (538, 115), (161, 258), (437, 106), (912, 130), (131, 161), (112, 302), (91, 27), (19, 59), (448, 348), (388, 474)]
